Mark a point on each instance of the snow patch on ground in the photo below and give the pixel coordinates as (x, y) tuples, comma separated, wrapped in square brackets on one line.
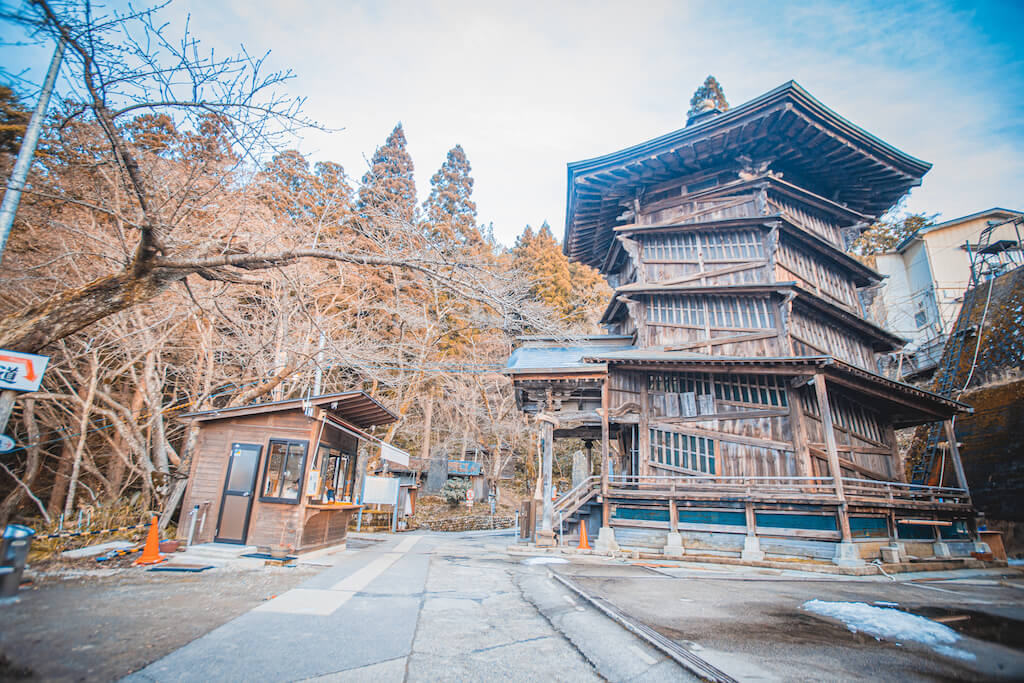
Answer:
[(545, 560), (891, 624)]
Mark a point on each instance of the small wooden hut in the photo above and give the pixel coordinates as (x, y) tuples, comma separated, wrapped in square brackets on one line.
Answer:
[(280, 473)]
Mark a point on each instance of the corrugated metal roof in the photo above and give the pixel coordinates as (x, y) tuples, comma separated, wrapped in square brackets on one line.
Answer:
[(357, 407), (661, 356), (559, 357)]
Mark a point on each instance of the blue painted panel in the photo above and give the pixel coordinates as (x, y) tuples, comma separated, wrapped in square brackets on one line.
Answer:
[(685, 516), (869, 527), (787, 521), (916, 532), (464, 467), (712, 517), (958, 530), (642, 514)]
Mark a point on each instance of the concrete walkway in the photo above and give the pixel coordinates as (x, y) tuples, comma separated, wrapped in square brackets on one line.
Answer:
[(421, 607)]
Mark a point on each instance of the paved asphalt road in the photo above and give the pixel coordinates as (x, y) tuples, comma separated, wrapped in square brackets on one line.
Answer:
[(749, 622), (427, 607), (459, 607)]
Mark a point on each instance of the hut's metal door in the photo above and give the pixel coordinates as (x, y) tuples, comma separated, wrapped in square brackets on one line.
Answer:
[(239, 487)]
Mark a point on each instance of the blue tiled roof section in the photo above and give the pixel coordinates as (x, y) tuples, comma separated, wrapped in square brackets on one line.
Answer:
[(525, 358)]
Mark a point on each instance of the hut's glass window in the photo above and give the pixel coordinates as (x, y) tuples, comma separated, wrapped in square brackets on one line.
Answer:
[(286, 463), (329, 460)]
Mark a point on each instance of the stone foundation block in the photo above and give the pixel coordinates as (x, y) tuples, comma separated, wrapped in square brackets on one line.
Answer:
[(752, 549), (847, 555), (674, 546), (605, 542)]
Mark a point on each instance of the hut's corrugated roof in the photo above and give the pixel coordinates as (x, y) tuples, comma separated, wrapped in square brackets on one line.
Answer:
[(356, 407)]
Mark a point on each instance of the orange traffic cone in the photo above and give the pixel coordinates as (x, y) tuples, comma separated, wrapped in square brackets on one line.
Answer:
[(584, 543), (151, 553)]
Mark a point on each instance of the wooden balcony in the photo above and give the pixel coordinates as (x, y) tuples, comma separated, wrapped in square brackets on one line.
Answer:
[(784, 490)]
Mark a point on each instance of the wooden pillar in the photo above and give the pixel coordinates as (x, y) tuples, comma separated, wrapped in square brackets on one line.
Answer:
[(673, 516), (643, 428), (798, 428), (751, 519), (833, 453), (605, 400), (954, 450), (546, 437)]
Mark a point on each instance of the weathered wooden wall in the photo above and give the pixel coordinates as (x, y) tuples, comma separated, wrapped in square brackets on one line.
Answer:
[(866, 442), (269, 523)]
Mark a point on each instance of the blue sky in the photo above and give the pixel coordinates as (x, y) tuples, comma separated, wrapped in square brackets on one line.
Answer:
[(526, 87)]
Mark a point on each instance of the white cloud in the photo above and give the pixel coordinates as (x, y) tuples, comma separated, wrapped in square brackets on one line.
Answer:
[(527, 87)]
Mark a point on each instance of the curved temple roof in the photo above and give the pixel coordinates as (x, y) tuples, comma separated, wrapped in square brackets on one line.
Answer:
[(830, 155)]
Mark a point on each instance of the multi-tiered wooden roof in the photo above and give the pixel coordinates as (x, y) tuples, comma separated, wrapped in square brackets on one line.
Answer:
[(812, 146)]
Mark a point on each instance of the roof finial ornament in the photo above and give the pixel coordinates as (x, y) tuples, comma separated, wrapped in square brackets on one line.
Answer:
[(709, 100)]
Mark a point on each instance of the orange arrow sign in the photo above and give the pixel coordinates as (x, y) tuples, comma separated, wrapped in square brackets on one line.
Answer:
[(30, 372)]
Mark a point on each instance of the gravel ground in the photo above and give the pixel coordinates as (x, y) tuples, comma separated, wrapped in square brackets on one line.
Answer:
[(80, 621)]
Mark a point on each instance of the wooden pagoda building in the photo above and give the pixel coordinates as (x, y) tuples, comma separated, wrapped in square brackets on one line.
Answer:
[(736, 397)]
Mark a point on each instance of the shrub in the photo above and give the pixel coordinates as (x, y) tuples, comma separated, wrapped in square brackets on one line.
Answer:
[(454, 490)]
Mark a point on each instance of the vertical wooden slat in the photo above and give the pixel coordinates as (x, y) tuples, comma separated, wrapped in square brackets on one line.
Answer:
[(547, 435)]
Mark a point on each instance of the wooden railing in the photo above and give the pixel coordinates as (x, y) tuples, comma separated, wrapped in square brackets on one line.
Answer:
[(806, 488), (762, 489), (870, 490), (577, 496)]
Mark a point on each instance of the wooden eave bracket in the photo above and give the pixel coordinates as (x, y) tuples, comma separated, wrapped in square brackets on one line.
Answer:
[(544, 417)]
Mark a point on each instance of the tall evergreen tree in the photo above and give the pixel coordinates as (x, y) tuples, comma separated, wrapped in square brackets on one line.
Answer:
[(450, 209), (575, 291), (388, 188), (709, 90), (13, 121)]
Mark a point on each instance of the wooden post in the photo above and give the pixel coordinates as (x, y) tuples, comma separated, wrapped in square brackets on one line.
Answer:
[(954, 450), (546, 436), (673, 516), (833, 453), (643, 430), (605, 400), (798, 428), (751, 519)]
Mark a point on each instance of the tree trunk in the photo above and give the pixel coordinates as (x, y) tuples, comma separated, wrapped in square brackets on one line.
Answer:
[(60, 480), (117, 467), (428, 417), (32, 466), (83, 434), (75, 309)]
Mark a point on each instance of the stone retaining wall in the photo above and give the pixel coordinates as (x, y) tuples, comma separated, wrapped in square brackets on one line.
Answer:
[(470, 523)]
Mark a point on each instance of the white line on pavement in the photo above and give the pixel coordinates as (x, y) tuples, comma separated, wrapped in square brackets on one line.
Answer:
[(406, 544), (323, 602)]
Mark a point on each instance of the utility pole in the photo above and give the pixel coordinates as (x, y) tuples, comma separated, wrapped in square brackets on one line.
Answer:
[(12, 195)]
